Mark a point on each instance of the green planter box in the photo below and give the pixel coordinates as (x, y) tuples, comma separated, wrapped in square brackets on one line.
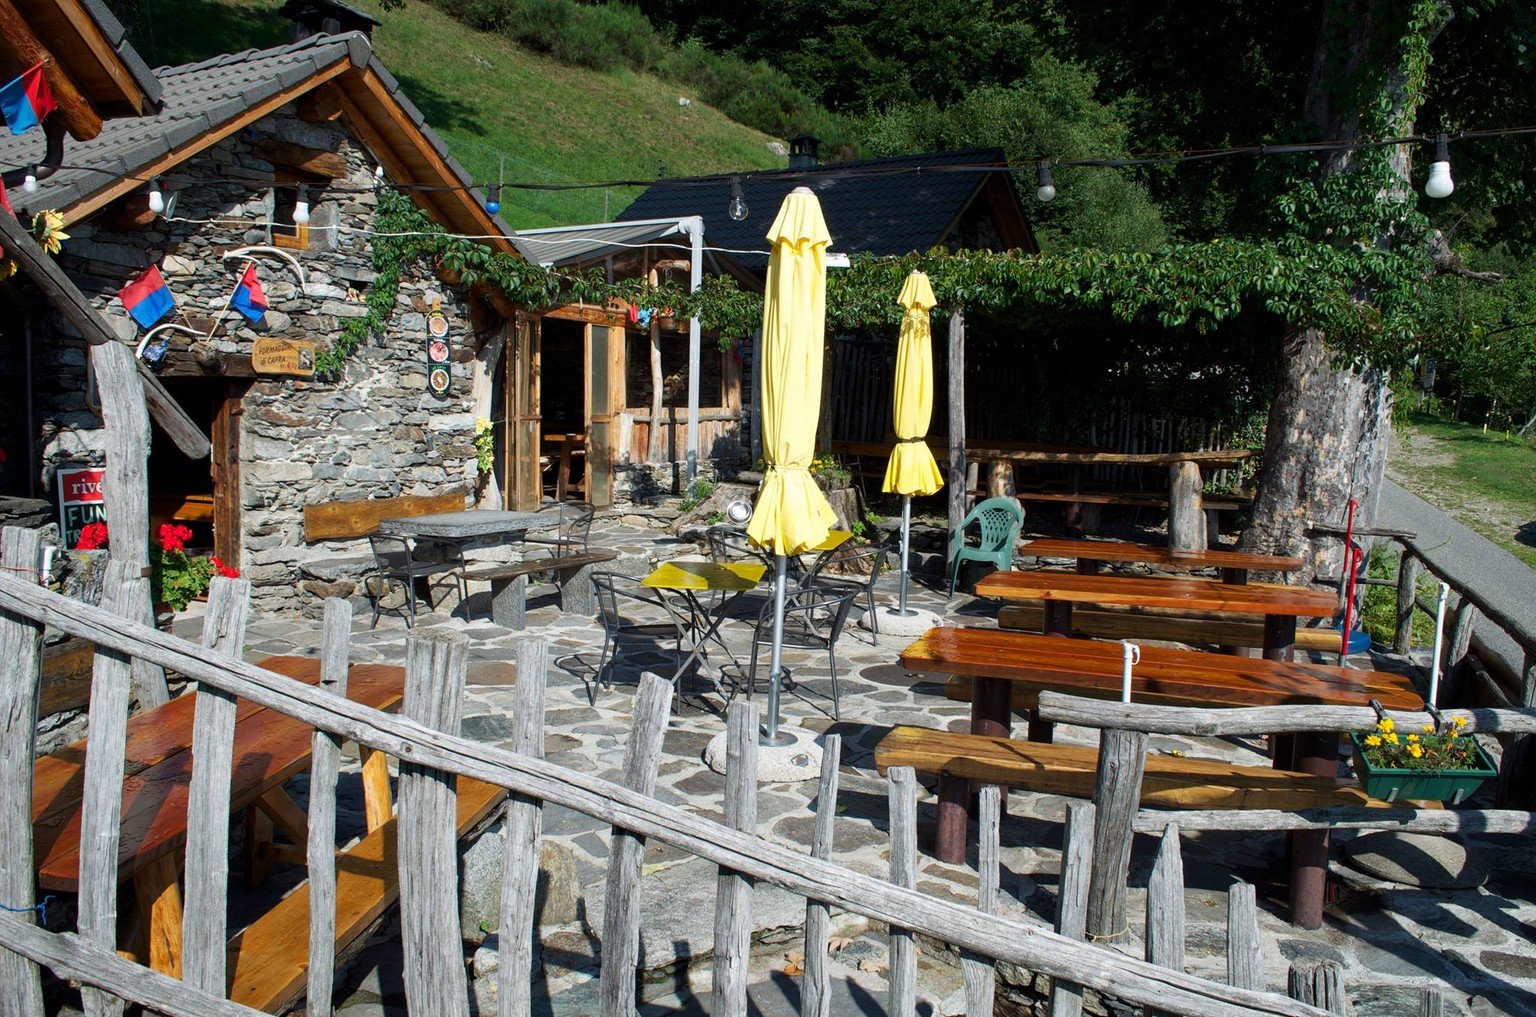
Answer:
[(1420, 785)]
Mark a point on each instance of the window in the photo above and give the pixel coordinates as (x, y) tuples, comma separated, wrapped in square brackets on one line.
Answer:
[(286, 232), (674, 371)]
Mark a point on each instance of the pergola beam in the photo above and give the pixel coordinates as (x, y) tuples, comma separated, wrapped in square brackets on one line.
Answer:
[(21, 47)]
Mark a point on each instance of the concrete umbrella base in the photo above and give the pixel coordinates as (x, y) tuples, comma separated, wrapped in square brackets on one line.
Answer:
[(799, 760)]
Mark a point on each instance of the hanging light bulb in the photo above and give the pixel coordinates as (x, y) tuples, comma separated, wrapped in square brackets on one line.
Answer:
[(156, 198), (737, 208), (1440, 184), (29, 182), (301, 207), (1047, 190), (493, 200)]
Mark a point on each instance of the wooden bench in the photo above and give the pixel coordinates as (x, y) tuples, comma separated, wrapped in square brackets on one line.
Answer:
[(350, 520), (1134, 499), (572, 573), (268, 961), (1169, 781), (1105, 623)]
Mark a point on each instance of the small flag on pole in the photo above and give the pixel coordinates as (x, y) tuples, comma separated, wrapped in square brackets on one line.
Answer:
[(25, 101), (249, 300), (148, 298), (5, 199)]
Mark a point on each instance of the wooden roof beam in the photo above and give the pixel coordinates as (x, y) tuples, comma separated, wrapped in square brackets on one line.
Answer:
[(23, 49)]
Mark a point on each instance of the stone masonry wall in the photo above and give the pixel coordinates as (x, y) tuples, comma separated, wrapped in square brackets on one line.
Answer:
[(377, 432)]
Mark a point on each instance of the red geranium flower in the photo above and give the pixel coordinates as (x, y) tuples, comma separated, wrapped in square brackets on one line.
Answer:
[(93, 537)]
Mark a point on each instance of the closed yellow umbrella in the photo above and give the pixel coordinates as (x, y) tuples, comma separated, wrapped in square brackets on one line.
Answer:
[(792, 515), (911, 469)]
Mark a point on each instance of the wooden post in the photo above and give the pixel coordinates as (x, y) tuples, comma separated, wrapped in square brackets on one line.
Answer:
[(1514, 789), (336, 631), (621, 895), (1456, 645), (1245, 955), (957, 474), (1186, 518), (1072, 898), (1000, 479), (1318, 982), (1116, 797), (1316, 753), (902, 1001), (815, 986), (101, 800), (1431, 1003), (204, 931), (21, 647), (979, 972), (524, 828), (1165, 905), (435, 667), (1408, 568), (733, 891)]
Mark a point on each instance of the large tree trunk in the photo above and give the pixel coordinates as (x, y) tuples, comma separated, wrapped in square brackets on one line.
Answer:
[(1327, 436)]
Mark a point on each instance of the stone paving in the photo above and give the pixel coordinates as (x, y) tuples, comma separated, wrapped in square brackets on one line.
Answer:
[(1391, 938)]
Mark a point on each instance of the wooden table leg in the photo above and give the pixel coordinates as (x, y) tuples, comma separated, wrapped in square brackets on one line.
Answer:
[(1074, 510), (158, 899), (1089, 566), (1057, 618), (1315, 753), (1235, 577), (990, 715), (1279, 636)]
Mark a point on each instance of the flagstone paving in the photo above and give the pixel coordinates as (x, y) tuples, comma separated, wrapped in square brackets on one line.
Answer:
[(1390, 939)]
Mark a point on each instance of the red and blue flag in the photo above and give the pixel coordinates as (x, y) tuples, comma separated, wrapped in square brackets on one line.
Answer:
[(25, 101), (148, 298), (249, 300)]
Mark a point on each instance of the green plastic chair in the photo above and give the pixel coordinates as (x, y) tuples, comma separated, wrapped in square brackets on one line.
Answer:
[(1000, 520)]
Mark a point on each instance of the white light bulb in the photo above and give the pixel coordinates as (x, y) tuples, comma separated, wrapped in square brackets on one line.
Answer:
[(29, 182), (736, 208), (156, 198), (1439, 184), (1046, 193), (301, 209), (1047, 189)]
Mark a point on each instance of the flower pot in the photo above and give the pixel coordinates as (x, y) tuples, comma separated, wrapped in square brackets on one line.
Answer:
[(1420, 785)]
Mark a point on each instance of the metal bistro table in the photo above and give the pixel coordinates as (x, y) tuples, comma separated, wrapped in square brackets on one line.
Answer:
[(690, 578), (463, 526)]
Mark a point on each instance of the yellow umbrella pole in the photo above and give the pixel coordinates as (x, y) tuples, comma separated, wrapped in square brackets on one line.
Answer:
[(906, 546), (776, 673)]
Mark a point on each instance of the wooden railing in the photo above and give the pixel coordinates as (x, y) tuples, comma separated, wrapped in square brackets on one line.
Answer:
[(432, 755)]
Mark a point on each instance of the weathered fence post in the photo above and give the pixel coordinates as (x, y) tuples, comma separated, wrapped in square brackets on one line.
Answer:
[(1116, 797), (205, 926), (733, 891), (321, 847), (1453, 667), (1165, 905), (815, 986), (1245, 954), (979, 972), (435, 668), (21, 644), (101, 803), (1186, 520), (1072, 897), (1515, 776), (957, 475), (1317, 981), (903, 946), (1431, 1003), (621, 894), (524, 827), (1408, 569)]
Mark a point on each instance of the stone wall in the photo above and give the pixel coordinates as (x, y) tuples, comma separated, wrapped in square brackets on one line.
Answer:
[(377, 432)]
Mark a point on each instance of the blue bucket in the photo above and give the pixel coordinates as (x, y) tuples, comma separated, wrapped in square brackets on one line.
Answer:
[(1359, 641)]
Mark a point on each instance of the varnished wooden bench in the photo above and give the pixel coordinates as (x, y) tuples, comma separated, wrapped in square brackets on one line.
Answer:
[(572, 573), (1169, 781), (268, 961), (1148, 624)]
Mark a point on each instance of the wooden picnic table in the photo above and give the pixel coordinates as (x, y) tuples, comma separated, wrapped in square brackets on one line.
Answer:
[(1280, 606), (1234, 565), (269, 747)]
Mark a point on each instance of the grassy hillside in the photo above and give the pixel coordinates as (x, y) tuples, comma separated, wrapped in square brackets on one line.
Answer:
[(495, 103)]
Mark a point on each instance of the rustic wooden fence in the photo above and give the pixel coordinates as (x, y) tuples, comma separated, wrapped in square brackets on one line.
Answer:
[(432, 757)]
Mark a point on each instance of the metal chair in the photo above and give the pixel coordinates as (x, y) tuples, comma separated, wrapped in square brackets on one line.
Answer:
[(999, 521), (813, 619), (614, 590), (396, 560), (572, 523), (857, 566), (727, 544)]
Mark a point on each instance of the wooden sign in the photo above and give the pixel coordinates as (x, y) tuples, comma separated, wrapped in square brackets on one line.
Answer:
[(81, 500), (283, 356), (438, 350)]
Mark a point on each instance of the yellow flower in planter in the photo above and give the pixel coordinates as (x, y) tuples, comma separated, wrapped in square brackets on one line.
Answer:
[(1416, 751), (1373, 740)]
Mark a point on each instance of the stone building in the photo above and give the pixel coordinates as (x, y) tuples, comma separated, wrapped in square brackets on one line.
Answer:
[(206, 186)]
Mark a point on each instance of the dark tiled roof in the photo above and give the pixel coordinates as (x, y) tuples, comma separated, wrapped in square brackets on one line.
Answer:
[(112, 29), (198, 100), (879, 206)]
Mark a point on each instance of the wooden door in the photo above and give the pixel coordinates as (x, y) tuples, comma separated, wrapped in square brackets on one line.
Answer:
[(224, 465), (522, 447), (605, 346)]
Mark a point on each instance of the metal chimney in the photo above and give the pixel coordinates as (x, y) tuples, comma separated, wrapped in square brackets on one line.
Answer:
[(804, 152)]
